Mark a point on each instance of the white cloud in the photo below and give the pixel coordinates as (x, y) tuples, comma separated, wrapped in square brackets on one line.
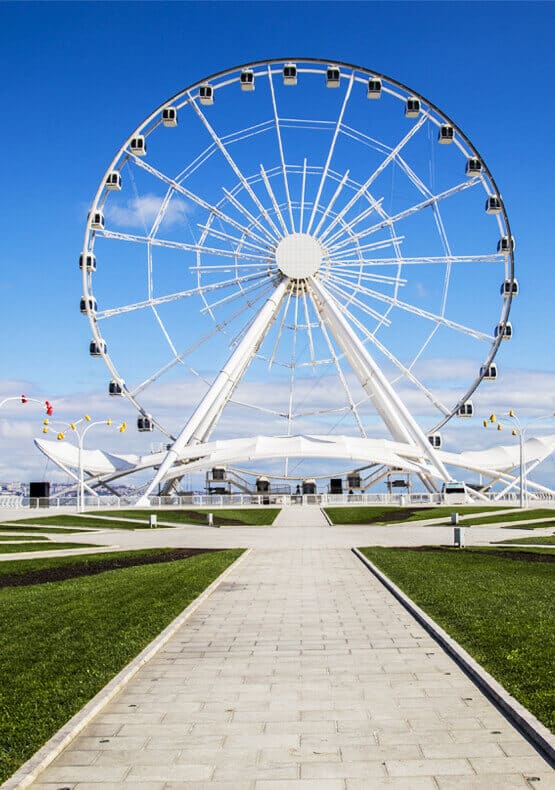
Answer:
[(139, 212)]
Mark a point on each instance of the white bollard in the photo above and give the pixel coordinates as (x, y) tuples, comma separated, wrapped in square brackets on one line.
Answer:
[(454, 518), (459, 537), (210, 519), (152, 520)]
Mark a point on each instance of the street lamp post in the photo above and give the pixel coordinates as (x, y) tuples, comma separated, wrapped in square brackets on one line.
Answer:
[(24, 399)]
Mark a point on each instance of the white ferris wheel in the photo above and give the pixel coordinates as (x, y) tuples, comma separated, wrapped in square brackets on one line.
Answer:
[(324, 237)]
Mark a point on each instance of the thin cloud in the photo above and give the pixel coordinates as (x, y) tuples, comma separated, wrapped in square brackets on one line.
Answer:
[(139, 212)]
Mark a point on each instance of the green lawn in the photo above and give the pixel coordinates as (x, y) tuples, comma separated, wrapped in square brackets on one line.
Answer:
[(393, 515), (11, 548), (546, 540), (240, 516), (12, 526), (70, 520), (16, 538), (498, 604), (519, 515), (61, 642)]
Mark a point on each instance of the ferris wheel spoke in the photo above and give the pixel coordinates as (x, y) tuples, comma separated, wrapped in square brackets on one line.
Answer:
[(434, 199), (270, 192), (164, 330), (280, 146), (369, 181), (199, 201), (303, 192), (292, 374), (334, 284), (240, 242), (330, 205), (242, 210), (409, 308), (155, 301), (440, 259), (330, 152), (280, 331), (346, 229), (339, 370), (265, 280), (375, 245), (309, 330), (219, 327), (374, 278), (231, 162), (178, 245), (407, 372)]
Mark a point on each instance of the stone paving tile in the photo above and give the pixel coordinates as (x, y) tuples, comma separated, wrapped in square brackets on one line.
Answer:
[(301, 671)]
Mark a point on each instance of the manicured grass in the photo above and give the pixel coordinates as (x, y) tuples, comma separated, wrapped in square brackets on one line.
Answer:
[(222, 516), (545, 540), (532, 525), (12, 526), (382, 515), (16, 538), (61, 642), (70, 520), (11, 548), (519, 515), (497, 603)]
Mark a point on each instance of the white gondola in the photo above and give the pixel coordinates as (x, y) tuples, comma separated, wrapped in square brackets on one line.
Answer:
[(466, 409), (247, 80), (374, 92), (169, 116), (144, 423), (489, 372), (505, 246), (289, 74), (493, 205), (309, 486), (97, 348), (412, 107), (446, 134), (87, 305), (353, 480), (504, 331), (206, 94), (137, 145), (333, 77), (88, 261), (115, 387), (262, 485), (473, 167), (435, 440), (97, 220), (509, 288), (113, 181)]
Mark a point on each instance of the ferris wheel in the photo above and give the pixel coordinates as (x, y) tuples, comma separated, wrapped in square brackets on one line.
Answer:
[(307, 243)]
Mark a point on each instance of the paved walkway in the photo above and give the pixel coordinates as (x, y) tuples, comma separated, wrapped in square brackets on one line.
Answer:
[(300, 672)]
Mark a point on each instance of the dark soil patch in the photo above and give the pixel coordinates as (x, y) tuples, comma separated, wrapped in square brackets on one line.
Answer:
[(64, 572), (524, 556)]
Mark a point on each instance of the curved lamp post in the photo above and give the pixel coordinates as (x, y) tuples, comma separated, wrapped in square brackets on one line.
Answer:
[(519, 429), (24, 399), (81, 433)]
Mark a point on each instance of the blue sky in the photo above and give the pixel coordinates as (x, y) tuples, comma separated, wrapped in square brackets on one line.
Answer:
[(82, 75)]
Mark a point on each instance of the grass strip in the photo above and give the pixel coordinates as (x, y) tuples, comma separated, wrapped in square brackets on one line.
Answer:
[(222, 516), (497, 604), (520, 515), (383, 515), (69, 520), (543, 540), (16, 538), (62, 642), (12, 548), (13, 526)]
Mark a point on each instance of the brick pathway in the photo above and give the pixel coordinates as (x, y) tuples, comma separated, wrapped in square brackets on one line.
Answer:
[(301, 672)]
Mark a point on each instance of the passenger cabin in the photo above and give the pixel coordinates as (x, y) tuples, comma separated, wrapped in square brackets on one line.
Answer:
[(206, 94), (454, 493), (137, 145), (489, 372), (309, 486), (97, 348), (466, 409), (289, 74), (218, 473), (87, 305), (473, 167), (505, 246), (493, 205), (97, 220), (144, 423), (504, 331), (262, 485), (247, 80), (446, 134), (113, 181), (374, 92), (353, 480), (169, 116), (435, 440), (88, 261), (333, 77), (336, 485), (509, 288), (115, 387), (412, 107)]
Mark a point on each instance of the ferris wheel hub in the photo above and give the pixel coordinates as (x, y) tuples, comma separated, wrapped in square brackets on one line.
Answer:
[(299, 255)]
